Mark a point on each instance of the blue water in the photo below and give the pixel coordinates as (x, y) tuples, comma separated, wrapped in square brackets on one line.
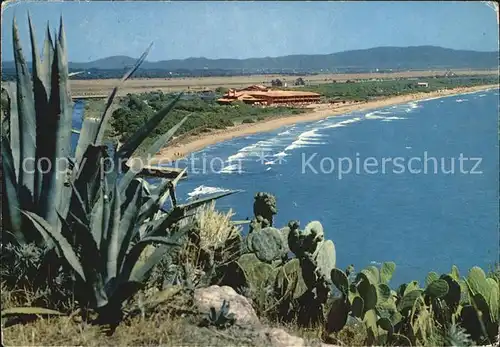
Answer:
[(422, 221), (77, 120)]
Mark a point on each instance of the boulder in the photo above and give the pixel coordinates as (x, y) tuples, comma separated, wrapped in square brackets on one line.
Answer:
[(214, 296)]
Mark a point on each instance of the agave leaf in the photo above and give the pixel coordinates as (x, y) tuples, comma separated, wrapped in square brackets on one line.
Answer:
[(200, 202), (133, 256), (153, 203), (60, 112), (153, 149), (62, 244), (78, 206), (114, 243), (23, 311), (87, 134), (43, 128), (140, 135), (48, 56), (62, 34), (173, 198), (129, 216), (14, 135), (141, 269), (26, 114), (6, 112), (105, 116), (90, 258), (97, 216), (11, 200)]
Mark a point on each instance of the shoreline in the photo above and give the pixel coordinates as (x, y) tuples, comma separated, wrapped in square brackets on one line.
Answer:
[(190, 144)]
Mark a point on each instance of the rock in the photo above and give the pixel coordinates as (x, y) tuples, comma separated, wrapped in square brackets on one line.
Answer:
[(277, 337), (213, 296), (280, 338)]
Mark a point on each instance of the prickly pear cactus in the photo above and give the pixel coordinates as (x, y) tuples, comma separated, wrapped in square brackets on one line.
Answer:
[(258, 223), (267, 244), (289, 280), (256, 272), (325, 257), (484, 292), (437, 289), (265, 206), (307, 241)]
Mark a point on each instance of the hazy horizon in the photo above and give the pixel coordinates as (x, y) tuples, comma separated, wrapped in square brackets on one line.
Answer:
[(242, 30)]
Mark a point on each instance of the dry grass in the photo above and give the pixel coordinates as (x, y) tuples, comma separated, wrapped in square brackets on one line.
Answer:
[(215, 227)]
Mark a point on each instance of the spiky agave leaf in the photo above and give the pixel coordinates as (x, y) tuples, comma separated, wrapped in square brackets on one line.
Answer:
[(44, 124), (23, 311), (58, 143), (131, 146), (48, 57), (26, 146), (12, 219), (63, 246), (128, 148)]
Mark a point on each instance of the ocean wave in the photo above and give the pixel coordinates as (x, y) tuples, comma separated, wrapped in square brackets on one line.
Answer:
[(231, 169), (255, 149), (389, 119), (287, 132), (206, 190), (411, 106), (344, 123), (482, 95), (307, 138), (280, 154), (374, 115), (461, 100)]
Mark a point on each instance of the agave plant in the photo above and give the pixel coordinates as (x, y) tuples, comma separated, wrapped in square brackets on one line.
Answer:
[(97, 218), (36, 137)]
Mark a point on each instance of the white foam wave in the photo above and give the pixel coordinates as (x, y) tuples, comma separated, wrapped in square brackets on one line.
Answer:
[(231, 169), (255, 149), (344, 123), (307, 138), (482, 95), (386, 119), (205, 190), (287, 132), (461, 100), (373, 115), (280, 154)]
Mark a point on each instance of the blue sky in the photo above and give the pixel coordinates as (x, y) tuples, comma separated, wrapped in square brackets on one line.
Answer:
[(252, 29)]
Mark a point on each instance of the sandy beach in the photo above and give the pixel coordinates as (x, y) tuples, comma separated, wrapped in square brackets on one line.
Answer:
[(183, 146)]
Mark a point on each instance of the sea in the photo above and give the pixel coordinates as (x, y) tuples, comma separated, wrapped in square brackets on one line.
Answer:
[(416, 183)]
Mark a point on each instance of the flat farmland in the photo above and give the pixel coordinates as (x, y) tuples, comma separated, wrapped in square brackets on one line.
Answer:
[(98, 87)]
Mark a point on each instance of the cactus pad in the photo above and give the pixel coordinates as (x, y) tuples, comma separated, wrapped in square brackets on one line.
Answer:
[(267, 244)]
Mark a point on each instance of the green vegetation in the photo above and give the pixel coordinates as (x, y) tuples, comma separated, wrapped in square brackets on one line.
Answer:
[(92, 256), (204, 115), (86, 223), (366, 90)]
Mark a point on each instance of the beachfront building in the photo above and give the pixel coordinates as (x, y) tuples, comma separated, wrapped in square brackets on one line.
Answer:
[(261, 95), (423, 84)]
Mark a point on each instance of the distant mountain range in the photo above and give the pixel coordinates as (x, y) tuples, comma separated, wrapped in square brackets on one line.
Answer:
[(382, 58)]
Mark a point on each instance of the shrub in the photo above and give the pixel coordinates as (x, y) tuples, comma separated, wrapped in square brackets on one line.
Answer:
[(248, 120)]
